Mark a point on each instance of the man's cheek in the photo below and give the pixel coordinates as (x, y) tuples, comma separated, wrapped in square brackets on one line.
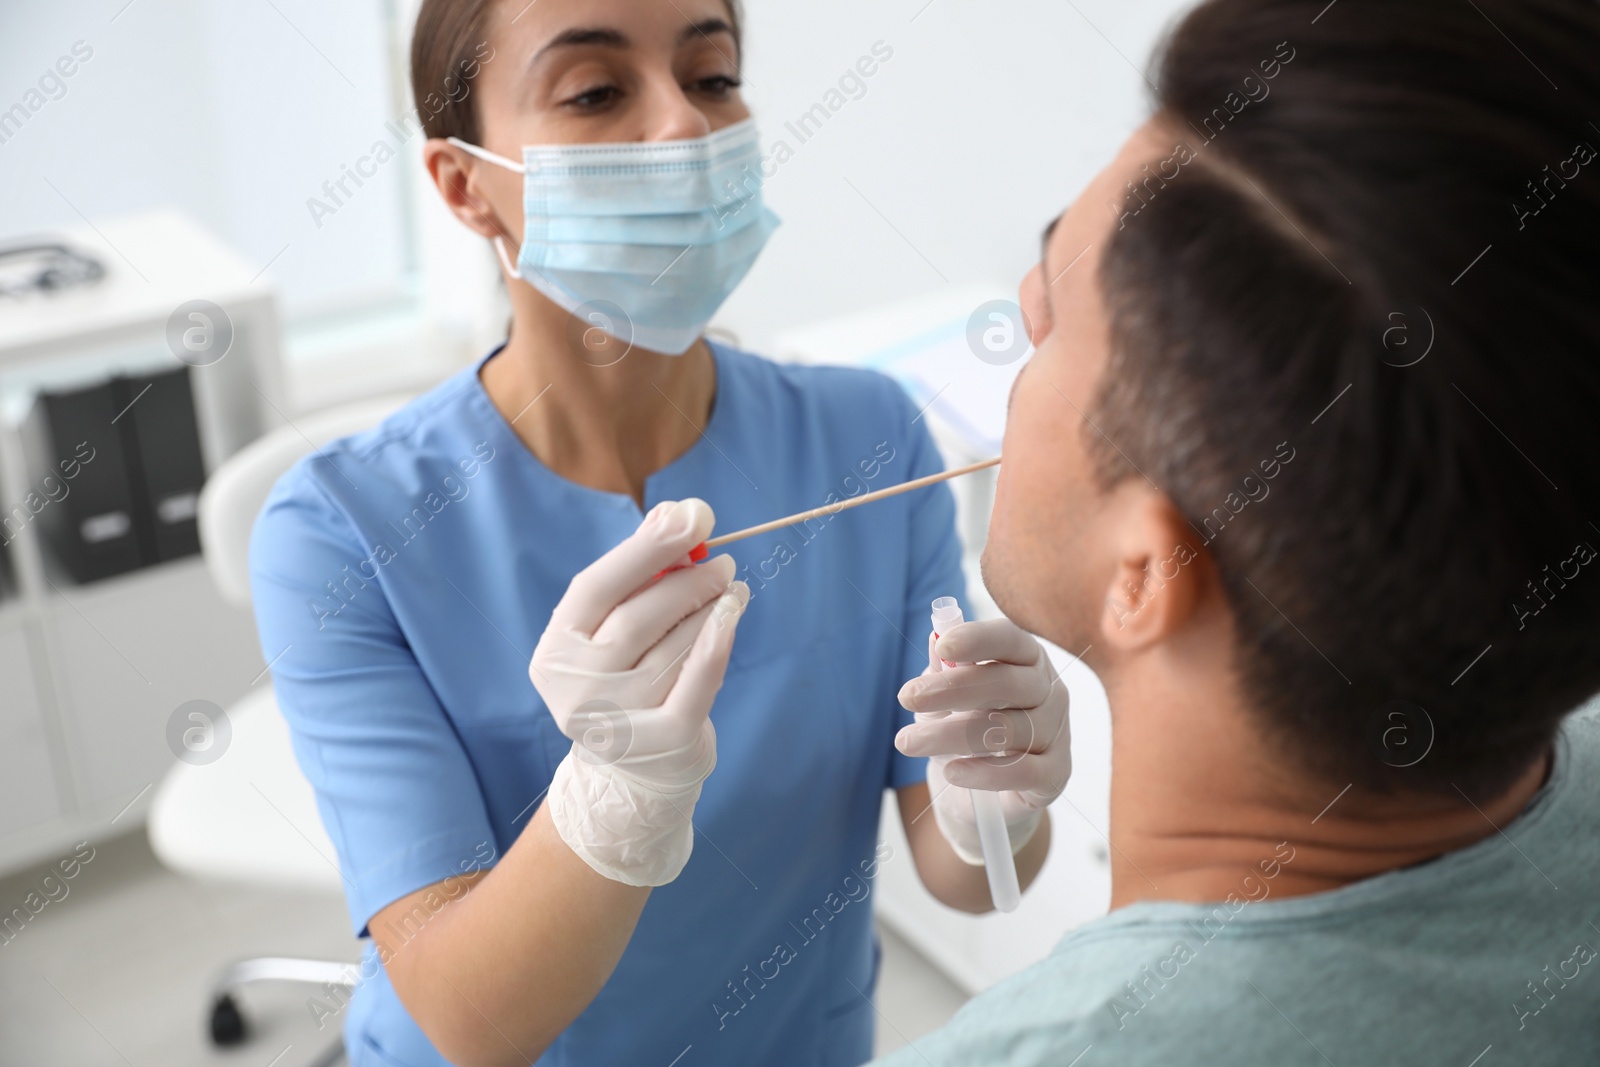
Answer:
[(1031, 452), (1011, 483)]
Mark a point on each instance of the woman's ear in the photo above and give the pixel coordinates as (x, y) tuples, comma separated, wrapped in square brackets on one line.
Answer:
[(1158, 567), (456, 175)]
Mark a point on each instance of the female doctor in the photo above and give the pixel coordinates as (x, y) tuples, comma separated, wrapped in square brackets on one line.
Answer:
[(663, 847)]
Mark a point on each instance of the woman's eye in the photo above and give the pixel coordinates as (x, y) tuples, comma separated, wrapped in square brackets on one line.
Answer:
[(593, 98), (718, 85)]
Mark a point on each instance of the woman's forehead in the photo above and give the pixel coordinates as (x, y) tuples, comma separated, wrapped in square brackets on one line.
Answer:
[(546, 26)]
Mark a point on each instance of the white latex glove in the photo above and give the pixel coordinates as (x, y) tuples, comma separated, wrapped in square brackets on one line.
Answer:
[(629, 666), (1003, 704)]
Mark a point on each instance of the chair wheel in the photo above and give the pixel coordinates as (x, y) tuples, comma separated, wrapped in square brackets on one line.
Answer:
[(227, 1022)]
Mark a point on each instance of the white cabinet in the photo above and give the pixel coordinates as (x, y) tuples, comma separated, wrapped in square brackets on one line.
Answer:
[(126, 653), (90, 674), (27, 782)]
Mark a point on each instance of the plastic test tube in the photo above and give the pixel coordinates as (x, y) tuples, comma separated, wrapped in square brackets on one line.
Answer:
[(993, 839)]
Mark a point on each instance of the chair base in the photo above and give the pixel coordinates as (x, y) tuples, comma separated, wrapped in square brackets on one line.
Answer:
[(227, 1024)]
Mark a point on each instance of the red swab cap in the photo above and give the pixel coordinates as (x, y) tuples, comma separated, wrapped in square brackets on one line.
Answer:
[(697, 554)]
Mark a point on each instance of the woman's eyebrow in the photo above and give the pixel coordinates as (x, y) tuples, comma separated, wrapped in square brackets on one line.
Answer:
[(705, 28), (578, 36), (606, 37)]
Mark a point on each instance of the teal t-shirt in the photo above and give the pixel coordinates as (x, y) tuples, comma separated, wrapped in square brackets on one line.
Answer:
[(1486, 956)]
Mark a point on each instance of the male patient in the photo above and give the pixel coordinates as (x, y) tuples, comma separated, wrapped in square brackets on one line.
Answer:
[(1307, 458)]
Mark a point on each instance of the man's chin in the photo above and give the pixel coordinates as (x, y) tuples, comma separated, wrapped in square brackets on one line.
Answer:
[(1024, 601), (997, 580)]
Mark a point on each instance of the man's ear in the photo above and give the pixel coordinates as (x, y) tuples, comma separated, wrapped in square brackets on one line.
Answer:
[(1157, 563), (455, 173)]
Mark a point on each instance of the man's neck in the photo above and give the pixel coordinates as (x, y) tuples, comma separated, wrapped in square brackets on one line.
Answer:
[(1200, 801)]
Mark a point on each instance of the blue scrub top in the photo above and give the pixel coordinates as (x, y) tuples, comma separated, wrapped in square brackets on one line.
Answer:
[(402, 577)]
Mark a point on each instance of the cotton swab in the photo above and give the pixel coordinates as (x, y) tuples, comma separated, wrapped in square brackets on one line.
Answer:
[(842, 505), (699, 552)]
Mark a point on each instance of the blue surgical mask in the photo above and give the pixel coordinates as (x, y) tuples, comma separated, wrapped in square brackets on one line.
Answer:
[(664, 230)]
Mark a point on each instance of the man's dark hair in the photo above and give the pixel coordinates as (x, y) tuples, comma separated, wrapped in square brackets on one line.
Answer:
[(1378, 253)]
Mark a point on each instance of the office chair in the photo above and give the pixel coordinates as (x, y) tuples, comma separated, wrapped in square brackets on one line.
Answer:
[(250, 816)]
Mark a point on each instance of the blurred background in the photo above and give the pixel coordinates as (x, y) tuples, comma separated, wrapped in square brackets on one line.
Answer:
[(179, 285)]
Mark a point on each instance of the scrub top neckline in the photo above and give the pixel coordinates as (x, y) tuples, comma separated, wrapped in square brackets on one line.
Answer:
[(718, 416)]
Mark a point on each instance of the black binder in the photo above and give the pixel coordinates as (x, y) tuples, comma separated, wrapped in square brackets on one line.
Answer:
[(127, 451), (72, 443), (162, 441)]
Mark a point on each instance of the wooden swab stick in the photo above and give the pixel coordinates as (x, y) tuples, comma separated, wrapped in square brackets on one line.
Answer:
[(844, 505)]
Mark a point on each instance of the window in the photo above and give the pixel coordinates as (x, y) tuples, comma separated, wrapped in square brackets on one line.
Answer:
[(262, 119)]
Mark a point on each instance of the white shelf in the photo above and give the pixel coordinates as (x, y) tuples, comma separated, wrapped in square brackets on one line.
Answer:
[(142, 581), (178, 262)]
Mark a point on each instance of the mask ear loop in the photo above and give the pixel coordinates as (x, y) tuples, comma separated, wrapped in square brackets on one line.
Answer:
[(505, 261), (500, 161), (487, 156)]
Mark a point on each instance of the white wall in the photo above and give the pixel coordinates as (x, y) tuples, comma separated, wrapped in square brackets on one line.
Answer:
[(988, 120)]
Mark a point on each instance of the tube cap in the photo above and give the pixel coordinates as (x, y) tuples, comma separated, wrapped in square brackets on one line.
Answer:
[(946, 614)]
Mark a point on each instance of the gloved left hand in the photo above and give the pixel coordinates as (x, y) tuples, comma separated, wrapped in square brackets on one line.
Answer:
[(997, 721)]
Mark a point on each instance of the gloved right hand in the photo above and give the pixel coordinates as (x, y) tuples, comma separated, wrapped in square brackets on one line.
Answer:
[(629, 666)]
